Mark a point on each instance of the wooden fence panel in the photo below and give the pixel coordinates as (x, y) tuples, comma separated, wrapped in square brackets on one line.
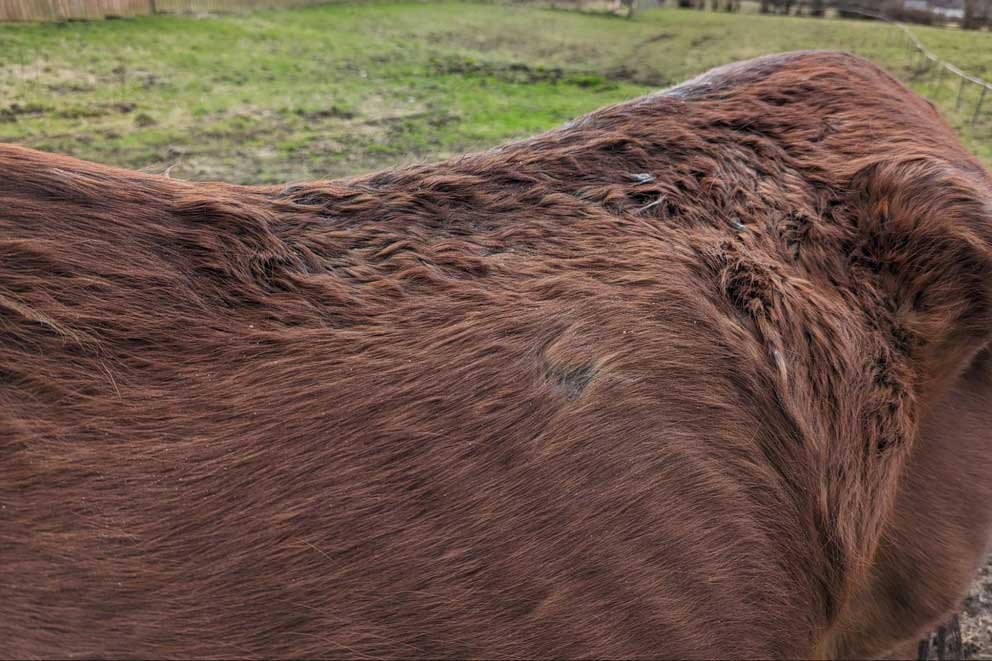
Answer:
[(61, 10), (27, 10)]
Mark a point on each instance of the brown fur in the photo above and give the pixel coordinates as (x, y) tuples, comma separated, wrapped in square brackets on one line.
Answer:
[(701, 375)]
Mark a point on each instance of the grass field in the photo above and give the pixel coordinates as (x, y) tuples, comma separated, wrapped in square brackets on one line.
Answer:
[(337, 89)]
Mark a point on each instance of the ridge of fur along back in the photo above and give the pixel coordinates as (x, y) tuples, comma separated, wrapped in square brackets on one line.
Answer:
[(684, 378)]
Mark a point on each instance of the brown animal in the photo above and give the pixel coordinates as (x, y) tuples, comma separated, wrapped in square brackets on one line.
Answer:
[(701, 375)]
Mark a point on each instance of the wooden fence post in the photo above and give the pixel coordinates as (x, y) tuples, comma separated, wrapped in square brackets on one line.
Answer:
[(978, 106), (940, 76)]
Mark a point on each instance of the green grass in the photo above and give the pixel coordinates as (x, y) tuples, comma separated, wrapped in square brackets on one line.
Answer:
[(338, 89)]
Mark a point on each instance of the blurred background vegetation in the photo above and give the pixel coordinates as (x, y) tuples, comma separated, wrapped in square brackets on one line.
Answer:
[(335, 89)]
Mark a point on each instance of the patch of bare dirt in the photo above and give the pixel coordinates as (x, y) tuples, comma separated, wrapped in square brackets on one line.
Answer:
[(976, 617)]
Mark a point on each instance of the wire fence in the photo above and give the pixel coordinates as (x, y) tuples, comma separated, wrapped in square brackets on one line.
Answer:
[(936, 67)]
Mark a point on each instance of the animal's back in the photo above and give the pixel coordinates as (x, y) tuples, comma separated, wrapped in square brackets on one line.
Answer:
[(629, 388)]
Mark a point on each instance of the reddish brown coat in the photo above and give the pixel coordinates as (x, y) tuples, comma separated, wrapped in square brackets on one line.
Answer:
[(701, 375)]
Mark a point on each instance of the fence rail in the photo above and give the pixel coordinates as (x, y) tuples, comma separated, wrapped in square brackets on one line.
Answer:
[(62, 10), (931, 59)]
